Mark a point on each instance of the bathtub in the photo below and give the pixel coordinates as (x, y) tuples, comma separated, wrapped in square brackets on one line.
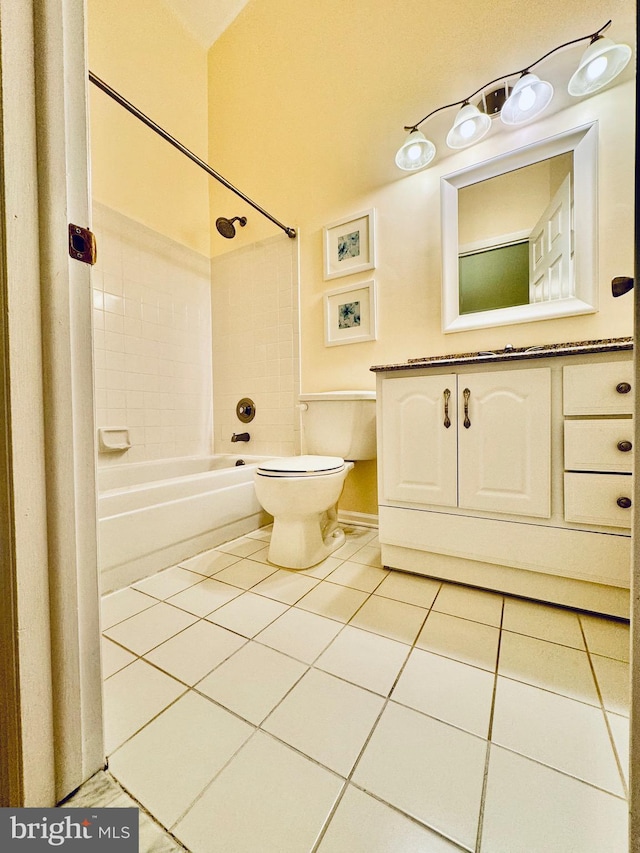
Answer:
[(151, 515)]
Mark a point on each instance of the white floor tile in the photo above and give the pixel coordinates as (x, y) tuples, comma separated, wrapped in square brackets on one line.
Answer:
[(242, 547), (299, 633), (172, 759), (205, 597), (607, 637), (548, 665), (132, 697), (210, 562), (447, 690), (168, 582), (460, 639), (122, 604), (468, 603), (393, 619), (363, 824), (613, 680), (323, 569), (327, 719), (252, 681), (248, 614), (194, 652), (333, 601), (554, 730), (114, 658), (245, 573), (368, 556), (530, 807), (365, 659), (287, 587), (145, 630), (412, 589), (427, 769), (269, 799), (620, 732), (357, 576), (553, 624)]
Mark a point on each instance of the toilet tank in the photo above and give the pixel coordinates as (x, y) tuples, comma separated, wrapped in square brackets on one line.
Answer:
[(339, 423)]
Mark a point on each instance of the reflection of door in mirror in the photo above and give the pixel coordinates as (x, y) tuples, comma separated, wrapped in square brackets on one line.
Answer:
[(522, 253)]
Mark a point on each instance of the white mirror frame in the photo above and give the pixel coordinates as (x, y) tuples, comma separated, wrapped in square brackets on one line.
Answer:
[(582, 141)]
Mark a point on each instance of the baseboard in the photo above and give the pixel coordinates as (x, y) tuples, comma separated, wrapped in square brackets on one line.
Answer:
[(362, 519)]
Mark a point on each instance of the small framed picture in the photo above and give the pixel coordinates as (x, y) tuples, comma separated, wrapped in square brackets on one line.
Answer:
[(350, 314), (349, 245)]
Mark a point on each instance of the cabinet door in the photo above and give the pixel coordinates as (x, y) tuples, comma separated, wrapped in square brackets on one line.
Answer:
[(418, 457), (504, 433)]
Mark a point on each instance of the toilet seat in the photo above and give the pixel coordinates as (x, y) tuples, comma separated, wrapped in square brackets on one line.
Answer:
[(301, 466)]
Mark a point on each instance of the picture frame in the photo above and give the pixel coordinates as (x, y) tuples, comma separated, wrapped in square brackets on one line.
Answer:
[(349, 245), (350, 314)]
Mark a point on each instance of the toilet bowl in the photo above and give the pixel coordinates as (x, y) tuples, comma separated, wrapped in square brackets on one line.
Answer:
[(302, 492)]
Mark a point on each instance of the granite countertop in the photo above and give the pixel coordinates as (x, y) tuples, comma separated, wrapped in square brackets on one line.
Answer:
[(510, 353)]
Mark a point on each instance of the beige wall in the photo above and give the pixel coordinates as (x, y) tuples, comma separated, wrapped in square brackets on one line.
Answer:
[(141, 50), (307, 104)]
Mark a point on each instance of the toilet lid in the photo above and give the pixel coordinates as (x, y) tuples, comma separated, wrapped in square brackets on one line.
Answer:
[(301, 466)]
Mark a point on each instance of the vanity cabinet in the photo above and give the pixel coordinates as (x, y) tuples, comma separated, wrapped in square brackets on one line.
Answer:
[(477, 441), (513, 475)]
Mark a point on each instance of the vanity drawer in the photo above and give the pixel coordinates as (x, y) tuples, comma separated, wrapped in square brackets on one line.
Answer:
[(599, 445), (598, 389), (593, 499)]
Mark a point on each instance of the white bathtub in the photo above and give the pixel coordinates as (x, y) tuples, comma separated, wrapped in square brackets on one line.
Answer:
[(151, 515)]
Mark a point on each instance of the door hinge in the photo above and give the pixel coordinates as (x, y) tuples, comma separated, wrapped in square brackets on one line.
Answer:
[(82, 244)]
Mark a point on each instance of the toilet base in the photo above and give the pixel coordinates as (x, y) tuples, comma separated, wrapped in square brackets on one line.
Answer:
[(299, 542)]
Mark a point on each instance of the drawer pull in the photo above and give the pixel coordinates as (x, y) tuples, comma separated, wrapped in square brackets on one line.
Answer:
[(623, 387), (447, 419), (624, 503), (624, 446)]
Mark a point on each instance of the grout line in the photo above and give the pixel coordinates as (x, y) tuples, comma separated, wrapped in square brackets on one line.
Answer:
[(485, 778), (617, 758)]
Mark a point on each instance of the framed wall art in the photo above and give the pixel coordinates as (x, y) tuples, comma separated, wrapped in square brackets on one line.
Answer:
[(350, 314), (349, 245)]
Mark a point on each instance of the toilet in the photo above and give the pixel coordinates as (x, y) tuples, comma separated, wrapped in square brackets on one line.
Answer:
[(302, 492)]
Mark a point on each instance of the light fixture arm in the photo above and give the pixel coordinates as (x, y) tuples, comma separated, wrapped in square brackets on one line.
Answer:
[(592, 37)]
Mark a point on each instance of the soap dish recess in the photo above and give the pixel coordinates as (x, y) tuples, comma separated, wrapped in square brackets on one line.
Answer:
[(113, 439)]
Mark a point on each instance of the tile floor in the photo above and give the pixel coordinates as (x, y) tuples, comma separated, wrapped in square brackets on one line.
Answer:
[(349, 709)]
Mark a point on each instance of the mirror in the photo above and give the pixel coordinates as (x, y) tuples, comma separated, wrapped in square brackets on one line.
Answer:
[(519, 235)]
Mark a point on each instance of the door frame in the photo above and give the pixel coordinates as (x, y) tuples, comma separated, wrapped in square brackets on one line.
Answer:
[(48, 503)]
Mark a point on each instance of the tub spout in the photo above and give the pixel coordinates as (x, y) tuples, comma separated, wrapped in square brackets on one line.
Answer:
[(240, 436)]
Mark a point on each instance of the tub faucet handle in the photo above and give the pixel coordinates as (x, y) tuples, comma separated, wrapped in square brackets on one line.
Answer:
[(240, 436)]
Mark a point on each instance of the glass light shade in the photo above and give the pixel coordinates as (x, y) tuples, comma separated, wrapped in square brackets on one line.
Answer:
[(528, 98), (601, 62), (415, 153), (470, 126)]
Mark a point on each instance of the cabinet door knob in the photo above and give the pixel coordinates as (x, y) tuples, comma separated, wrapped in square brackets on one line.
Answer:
[(624, 446), (623, 387), (624, 503), (466, 394)]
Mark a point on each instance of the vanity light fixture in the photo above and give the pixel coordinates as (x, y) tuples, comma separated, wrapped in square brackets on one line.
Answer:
[(516, 104)]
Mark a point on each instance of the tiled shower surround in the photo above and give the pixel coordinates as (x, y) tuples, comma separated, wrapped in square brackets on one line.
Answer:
[(154, 343), (255, 346), (152, 340)]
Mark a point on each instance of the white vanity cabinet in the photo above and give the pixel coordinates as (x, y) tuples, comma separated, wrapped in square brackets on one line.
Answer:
[(513, 475), (475, 441)]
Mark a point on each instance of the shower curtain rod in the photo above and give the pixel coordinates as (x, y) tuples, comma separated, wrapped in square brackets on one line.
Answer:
[(290, 232)]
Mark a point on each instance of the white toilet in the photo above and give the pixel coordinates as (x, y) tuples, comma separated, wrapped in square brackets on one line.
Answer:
[(302, 492)]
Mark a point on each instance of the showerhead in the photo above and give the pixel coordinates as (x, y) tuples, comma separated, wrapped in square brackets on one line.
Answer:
[(226, 226)]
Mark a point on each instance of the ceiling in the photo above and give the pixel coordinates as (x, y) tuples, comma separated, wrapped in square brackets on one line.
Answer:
[(205, 20)]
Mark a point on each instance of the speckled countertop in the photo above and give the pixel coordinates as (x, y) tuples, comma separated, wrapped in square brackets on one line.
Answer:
[(510, 353)]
